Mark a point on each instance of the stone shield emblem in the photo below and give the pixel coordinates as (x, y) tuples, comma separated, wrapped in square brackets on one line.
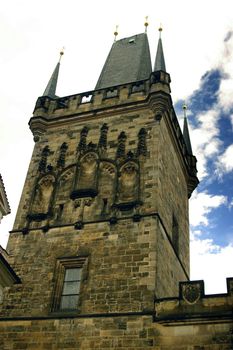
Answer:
[(191, 293)]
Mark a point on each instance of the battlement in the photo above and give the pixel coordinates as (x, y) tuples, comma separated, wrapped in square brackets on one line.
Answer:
[(107, 97), (193, 305)]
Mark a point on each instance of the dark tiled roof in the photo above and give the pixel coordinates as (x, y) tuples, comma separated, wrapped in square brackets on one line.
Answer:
[(186, 137), (52, 84), (128, 60), (159, 59)]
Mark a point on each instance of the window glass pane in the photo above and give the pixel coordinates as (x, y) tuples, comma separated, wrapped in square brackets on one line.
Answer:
[(71, 287), (69, 302), (73, 274)]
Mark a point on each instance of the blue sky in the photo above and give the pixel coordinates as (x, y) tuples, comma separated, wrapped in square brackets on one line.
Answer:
[(211, 206), (198, 46)]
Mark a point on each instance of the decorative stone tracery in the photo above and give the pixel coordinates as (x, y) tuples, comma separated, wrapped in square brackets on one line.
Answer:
[(44, 159), (62, 155), (101, 185)]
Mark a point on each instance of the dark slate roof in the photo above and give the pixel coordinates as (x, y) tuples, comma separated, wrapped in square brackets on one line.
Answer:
[(128, 60), (159, 59), (186, 136), (52, 84)]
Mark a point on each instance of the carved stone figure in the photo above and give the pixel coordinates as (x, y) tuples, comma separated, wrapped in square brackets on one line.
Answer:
[(106, 186), (87, 174), (64, 185), (86, 181), (44, 190), (128, 183)]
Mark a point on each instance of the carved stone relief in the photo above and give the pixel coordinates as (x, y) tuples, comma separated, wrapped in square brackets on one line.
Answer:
[(43, 193), (44, 159), (62, 155), (120, 153), (106, 186), (83, 140), (128, 185), (86, 180), (102, 145), (191, 292), (93, 186), (63, 190)]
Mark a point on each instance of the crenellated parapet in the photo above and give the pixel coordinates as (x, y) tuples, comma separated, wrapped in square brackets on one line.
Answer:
[(193, 306), (153, 93)]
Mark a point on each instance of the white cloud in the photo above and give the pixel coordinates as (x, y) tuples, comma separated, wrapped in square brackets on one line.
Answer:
[(201, 205), (231, 118), (205, 139), (211, 263), (226, 66), (224, 162)]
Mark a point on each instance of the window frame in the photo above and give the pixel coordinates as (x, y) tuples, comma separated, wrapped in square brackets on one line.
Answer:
[(62, 265)]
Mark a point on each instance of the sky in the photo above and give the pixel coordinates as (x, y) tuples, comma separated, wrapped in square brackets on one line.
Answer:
[(198, 46)]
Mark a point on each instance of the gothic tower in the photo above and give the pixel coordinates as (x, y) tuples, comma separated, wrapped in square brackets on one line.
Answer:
[(102, 227)]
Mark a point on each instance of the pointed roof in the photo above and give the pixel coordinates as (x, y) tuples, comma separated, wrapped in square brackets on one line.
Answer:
[(128, 61), (52, 84), (159, 59), (186, 133)]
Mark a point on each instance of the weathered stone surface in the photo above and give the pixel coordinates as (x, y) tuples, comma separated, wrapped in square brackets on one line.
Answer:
[(108, 186)]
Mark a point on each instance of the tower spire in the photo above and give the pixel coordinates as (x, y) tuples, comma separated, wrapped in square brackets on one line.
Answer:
[(159, 59), (186, 132), (52, 84)]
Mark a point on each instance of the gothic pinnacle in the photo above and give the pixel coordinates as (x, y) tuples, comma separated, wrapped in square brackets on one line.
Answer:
[(159, 59), (50, 90), (186, 131)]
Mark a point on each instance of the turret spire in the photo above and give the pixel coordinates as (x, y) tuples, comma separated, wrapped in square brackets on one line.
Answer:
[(159, 60), (52, 84), (186, 132)]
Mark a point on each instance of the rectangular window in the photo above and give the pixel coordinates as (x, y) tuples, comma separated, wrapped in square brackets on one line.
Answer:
[(71, 289), (70, 275)]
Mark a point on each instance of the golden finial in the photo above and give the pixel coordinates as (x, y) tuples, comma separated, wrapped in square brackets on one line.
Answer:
[(116, 33), (146, 23), (61, 53), (185, 107), (160, 30)]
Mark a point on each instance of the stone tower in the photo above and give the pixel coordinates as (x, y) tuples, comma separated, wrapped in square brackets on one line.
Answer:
[(102, 226)]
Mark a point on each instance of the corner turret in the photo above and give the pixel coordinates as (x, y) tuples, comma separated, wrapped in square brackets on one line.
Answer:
[(159, 59), (50, 90)]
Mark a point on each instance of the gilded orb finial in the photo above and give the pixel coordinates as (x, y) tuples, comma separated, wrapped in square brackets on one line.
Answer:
[(185, 107), (61, 53), (160, 30), (116, 33), (146, 23)]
